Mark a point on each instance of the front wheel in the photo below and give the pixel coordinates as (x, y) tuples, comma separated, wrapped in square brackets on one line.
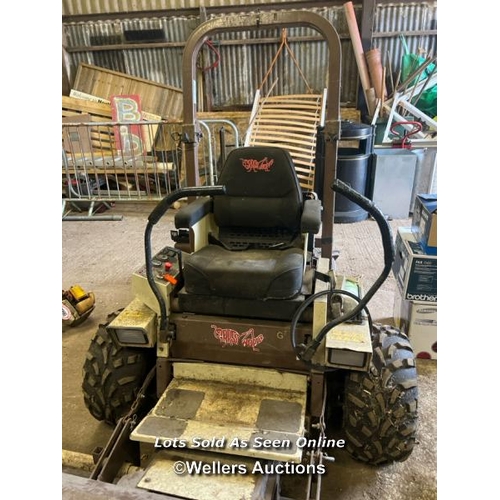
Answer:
[(380, 411), (112, 376)]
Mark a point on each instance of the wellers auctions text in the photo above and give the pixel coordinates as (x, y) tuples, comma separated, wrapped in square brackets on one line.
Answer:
[(281, 468)]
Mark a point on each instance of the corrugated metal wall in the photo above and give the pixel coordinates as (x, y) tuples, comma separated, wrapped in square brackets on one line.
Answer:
[(252, 61), (162, 65), (243, 64), (405, 18), (85, 7)]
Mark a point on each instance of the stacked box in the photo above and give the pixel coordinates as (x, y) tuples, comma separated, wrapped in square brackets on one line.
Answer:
[(419, 321), (415, 271), (424, 222), (415, 303)]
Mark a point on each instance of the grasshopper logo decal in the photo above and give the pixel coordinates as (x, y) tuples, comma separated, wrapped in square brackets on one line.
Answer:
[(228, 336)]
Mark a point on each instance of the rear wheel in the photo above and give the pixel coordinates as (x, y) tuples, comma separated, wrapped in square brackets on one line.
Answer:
[(380, 412), (112, 376)]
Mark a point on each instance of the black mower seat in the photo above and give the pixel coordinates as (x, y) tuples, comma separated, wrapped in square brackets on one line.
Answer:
[(258, 252), (251, 274)]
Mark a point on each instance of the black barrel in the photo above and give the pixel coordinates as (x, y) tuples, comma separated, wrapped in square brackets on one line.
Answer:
[(353, 164)]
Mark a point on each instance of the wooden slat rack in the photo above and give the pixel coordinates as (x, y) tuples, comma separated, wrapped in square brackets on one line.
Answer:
[(290, 122)]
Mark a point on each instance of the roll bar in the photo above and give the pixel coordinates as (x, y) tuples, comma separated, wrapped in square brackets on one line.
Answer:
[(266, 20)]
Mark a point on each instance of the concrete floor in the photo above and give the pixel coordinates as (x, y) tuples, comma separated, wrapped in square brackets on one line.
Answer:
[(100, 256)]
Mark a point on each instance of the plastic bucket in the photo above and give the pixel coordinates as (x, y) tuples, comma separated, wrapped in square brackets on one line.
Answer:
[(353, 165), (358, 135), (352, 168)]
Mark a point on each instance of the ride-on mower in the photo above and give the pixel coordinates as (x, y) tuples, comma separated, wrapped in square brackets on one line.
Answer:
[(243, 347)]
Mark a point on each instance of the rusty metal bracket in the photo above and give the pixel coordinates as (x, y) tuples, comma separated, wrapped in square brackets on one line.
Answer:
[(332, 130), (191, 134), (120, 448)]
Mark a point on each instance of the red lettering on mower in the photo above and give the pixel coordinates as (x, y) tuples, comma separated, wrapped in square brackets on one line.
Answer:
[(248, 340), (251, 165), (228, 336)]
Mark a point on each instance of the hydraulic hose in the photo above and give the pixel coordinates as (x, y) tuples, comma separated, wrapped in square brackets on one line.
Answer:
[(306, 352), (157, 213), (303, 307)]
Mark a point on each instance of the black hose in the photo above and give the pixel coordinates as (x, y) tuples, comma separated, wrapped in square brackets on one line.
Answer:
[(387, 242), (385, 230), (157, 213), (298, 314)]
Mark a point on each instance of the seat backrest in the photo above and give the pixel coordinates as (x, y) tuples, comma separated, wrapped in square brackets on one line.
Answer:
[(262, 191)]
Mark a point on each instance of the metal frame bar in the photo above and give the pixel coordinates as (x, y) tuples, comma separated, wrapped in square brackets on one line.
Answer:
[(224, 43), (211, 162)]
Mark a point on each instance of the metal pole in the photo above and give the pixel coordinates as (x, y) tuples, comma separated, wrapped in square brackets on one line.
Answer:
[(210, 153), (85, 462), (92, 217)]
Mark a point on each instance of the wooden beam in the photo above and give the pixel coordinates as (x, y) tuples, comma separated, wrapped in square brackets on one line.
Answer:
[(366, 33), (366, 28)]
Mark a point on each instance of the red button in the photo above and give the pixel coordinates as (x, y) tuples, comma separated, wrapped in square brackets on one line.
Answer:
[(168, 266)]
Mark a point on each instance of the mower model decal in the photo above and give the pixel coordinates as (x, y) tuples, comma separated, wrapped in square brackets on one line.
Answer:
[(252, 165), (228, 336)]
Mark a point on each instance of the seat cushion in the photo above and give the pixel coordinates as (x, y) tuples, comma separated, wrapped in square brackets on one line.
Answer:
[(252, 274)]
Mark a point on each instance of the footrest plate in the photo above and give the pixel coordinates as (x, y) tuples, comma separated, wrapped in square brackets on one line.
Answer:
[(250, 412)]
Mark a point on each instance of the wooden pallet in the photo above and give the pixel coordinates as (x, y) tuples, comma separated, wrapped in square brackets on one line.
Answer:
[(289, 122), (79, 110), (156, 98)]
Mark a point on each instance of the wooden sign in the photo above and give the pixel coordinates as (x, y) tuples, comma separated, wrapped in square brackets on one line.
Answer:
[(128, 137)]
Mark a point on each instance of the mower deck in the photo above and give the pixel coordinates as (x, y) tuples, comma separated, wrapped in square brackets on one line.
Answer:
[(233, 410)]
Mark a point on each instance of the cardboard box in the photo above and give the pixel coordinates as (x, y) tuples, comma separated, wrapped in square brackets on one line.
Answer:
[(414, 270), (424, 222), (419, 321), (76, 139)]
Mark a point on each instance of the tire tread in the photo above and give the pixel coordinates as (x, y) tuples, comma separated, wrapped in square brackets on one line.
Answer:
[(112, 376), (380, 413)]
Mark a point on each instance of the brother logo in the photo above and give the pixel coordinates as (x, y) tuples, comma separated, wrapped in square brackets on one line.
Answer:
[(421, 296)]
